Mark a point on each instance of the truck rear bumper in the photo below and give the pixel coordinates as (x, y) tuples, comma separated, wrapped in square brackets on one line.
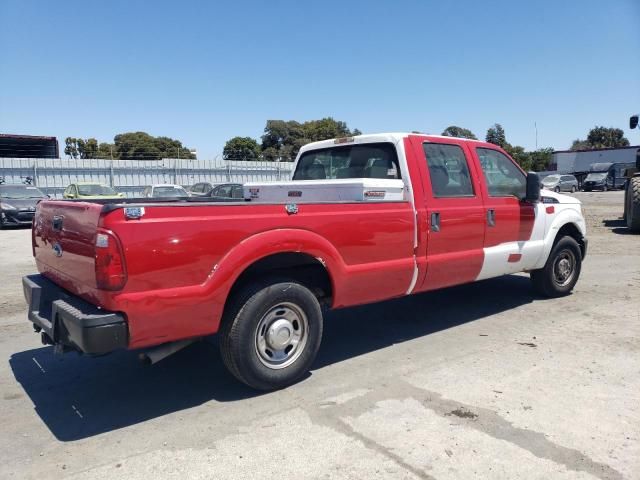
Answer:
[(70, 321)]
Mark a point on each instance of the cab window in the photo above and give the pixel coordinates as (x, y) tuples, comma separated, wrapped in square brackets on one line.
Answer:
[(448, 170), (370, 160), (503, 177)]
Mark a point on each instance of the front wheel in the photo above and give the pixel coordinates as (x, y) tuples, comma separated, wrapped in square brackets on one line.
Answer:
[(605, 188), (271, 334), (573, 189), (560, 274), (557, 189)]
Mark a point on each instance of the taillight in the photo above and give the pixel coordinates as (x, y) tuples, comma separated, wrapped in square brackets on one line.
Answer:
[(111, 273)]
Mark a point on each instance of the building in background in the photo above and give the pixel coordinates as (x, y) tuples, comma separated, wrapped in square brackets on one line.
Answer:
[(578, 162), (28, 146)]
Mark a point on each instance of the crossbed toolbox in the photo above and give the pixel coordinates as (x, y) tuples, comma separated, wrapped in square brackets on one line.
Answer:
[(338, 190)]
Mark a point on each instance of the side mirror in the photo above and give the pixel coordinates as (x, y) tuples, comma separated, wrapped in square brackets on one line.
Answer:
[(121, 195), (533, 188), (633, 122)]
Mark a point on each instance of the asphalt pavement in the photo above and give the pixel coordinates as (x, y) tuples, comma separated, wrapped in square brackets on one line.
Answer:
[(485, 380)]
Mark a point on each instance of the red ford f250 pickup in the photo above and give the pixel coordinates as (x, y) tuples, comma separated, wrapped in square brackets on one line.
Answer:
[(364, 219)]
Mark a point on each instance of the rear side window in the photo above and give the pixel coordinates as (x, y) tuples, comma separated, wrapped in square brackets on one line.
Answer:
[(237, 192), (371, 160), (448, 170), (503, 178), (223, 191)]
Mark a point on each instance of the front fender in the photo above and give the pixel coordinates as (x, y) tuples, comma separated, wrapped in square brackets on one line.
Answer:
[(564, 214)]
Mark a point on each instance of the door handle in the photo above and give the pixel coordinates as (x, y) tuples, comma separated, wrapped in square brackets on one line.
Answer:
[(56, 223), (491, 217), (435, 221)]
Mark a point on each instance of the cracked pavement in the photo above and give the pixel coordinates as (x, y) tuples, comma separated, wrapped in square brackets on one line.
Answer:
[(479, 381)]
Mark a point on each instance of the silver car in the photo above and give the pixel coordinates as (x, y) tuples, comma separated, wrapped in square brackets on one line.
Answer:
[(560, 183)]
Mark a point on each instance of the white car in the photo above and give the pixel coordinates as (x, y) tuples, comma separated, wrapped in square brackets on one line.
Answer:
[(164, 191)]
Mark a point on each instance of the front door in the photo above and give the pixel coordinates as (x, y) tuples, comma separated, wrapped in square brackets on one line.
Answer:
[(455, 223), (513, 238)]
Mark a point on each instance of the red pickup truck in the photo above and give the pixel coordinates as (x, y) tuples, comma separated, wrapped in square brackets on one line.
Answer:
[(364, 219)]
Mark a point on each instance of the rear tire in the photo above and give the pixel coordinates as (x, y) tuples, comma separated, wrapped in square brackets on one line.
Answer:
[(271, 334), (633, 205), (562, 270)]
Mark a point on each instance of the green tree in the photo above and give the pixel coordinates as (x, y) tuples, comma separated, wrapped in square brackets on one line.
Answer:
[(326, 128), (606, 137), (541, 159), (580, 145), (71, 147), (87, 148), (519, 154), (105, 150), (496, 135), (601, 137), (454, 131), (283, 139), (142, 146), (241, 148)]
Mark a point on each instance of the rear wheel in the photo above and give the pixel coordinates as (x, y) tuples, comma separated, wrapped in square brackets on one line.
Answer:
[(632, 210), (271, 334), (560, 274)]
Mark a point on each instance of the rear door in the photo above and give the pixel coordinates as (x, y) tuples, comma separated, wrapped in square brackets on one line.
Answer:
[(511, 242), (455, 222)]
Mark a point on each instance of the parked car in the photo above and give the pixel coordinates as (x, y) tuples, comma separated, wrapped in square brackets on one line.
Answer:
[(606, 176), (18, 204), (90, 191), (164, 191), (202, 189), (401, 214), (560, 183), (231, 191)]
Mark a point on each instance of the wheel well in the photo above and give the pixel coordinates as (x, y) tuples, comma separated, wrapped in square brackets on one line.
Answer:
[(570, 230), (301, 267)]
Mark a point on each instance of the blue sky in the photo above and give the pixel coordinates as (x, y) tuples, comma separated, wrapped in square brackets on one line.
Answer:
[(204, 72)]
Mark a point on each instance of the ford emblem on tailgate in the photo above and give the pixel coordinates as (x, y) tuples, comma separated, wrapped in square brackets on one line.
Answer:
[(57, 249)]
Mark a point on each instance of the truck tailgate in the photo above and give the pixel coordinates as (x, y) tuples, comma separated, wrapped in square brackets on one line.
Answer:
[(64, 235)]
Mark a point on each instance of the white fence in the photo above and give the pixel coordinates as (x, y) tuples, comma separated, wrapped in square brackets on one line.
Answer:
[(131, 176)]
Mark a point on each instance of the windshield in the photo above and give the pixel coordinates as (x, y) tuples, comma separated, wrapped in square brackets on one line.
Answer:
[(169, 192), (551, 179), (20, 191), (596, 176), (96, 190)]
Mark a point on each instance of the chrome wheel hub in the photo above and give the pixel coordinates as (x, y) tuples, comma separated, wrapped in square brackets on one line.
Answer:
[(281, 335), (564, 267)]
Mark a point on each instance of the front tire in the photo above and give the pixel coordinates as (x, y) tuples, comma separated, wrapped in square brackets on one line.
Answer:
[(557, 189), (271, 334), (562, 270), (573, 189)]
